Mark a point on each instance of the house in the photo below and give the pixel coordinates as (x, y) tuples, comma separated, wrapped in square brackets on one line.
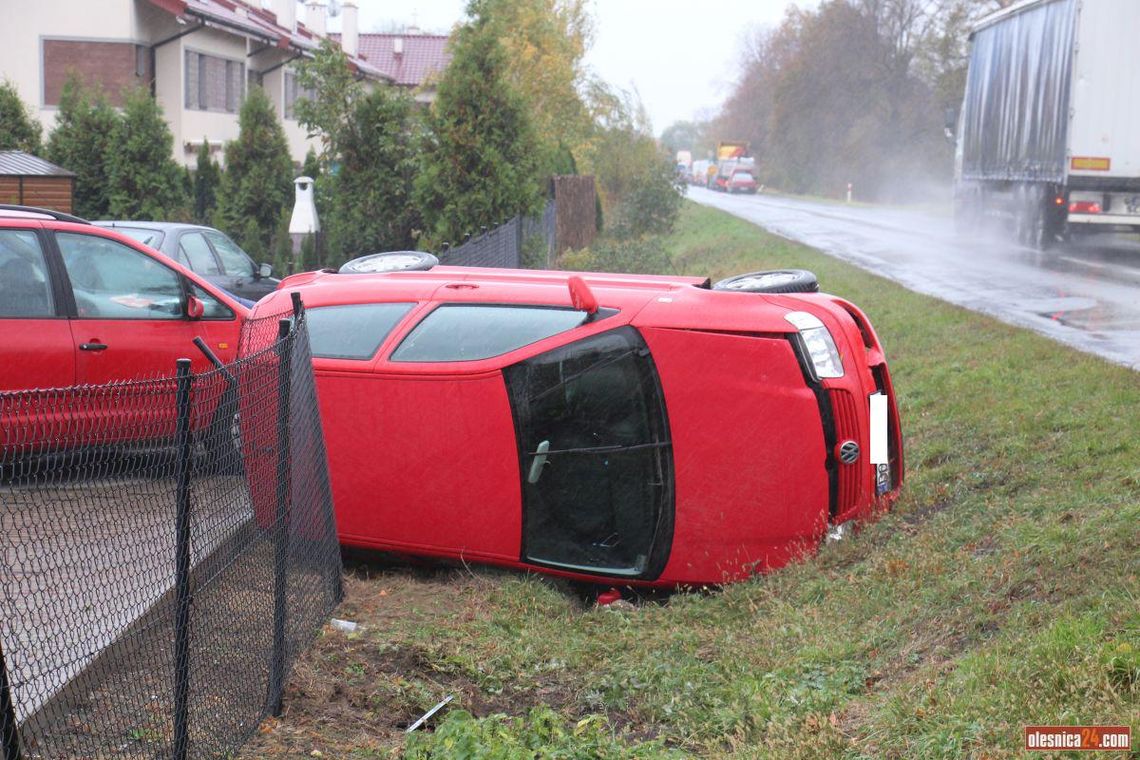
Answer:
[(196, 56), (412, 59)]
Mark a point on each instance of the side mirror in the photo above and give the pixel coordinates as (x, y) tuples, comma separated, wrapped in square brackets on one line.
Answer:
[(581, 297), (195, 309), (264, 270)]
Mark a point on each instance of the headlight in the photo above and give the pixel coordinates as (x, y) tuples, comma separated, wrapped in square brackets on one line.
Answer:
[(819, 343)]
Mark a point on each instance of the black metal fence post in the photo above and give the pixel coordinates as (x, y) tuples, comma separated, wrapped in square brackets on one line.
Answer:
[(281, 526), (182, 564), (9, 733)]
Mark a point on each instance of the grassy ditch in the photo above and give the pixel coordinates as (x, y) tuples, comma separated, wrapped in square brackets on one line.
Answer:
[(1002, 591)]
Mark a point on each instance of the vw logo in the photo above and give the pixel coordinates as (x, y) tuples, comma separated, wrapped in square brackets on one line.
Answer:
[(849, 452)]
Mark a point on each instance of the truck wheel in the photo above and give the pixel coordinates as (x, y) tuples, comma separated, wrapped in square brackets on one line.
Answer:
[(1039, 231), (771, 281)]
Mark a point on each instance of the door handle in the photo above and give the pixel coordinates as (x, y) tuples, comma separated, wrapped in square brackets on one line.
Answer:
[(92, 346)]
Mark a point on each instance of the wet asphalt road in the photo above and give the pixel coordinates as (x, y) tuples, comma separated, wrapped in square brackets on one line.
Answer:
[(1085, 294)]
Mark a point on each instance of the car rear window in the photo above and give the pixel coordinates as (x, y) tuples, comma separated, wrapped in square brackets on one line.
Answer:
[(353, 331), (465, 332), (153, 238)]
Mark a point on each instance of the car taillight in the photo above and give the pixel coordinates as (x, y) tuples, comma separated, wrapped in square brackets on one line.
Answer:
[(1084, 207)]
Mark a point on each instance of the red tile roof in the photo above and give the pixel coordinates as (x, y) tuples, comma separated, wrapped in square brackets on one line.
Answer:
[(260, 24), (423, 56)]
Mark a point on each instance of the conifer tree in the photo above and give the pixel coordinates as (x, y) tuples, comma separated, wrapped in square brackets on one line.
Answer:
[(257, 187), (144, 182), (81, 142), (207, 176), (371, 207), (480, 166), (18, 128)]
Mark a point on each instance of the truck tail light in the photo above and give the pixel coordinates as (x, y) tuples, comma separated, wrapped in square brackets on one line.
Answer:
[(1084, 207)]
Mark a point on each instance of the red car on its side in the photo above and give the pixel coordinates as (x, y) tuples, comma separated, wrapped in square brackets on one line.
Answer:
[(81, 305), (609, 428)]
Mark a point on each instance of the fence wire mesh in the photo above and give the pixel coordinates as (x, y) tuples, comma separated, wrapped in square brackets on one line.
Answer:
[(524, 241), (167, 547)]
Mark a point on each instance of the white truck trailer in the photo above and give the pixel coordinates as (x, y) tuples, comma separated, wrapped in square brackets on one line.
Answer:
[(1048, 137)]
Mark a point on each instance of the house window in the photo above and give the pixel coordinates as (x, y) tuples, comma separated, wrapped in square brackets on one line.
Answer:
[(213, 83), (293, 91)]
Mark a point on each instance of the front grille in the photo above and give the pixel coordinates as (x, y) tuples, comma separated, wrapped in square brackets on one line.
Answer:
[(845, 413)]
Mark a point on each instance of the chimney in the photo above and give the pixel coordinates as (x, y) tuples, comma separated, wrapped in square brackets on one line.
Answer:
[(286, 11), (316, 17), (398, 47), (350, 28)]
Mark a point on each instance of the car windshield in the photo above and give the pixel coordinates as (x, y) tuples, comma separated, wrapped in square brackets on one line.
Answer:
[(466, 332), (150, 237)]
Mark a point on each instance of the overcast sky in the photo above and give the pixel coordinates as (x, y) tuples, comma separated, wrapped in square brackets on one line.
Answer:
[(682, 56)]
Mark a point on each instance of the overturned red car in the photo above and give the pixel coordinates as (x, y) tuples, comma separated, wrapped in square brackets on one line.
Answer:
[(639, 430)]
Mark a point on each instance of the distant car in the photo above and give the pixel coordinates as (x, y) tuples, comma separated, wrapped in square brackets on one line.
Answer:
[(608, 428), (741, 182), (81, 305), (206, 251)]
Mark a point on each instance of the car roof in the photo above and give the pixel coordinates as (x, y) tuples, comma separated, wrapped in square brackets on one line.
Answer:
[(147, 225)]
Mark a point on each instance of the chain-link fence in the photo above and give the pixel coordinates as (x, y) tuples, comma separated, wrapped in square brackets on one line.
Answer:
[(524, 241), (167, 547)]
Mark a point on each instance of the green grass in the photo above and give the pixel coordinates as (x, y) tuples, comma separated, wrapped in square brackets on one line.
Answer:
[(1002, 590)]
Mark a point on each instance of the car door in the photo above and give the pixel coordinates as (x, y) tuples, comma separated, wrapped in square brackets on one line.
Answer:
[(238, 267), (38, 351), (195, 252), (130, 310), (596, 457)]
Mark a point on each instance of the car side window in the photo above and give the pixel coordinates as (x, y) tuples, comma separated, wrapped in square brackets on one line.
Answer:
[(194, 247), (468, 332), (234, 260), (113, 281), (25, 290), (352, 331), (215, 309)]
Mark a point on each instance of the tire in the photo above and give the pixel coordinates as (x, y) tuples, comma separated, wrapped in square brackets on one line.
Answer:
[(1039, 229), (771, 281), (390, 261), (222, 440)]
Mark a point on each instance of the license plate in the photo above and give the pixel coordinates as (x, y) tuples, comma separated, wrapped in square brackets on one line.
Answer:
[(882, 478)]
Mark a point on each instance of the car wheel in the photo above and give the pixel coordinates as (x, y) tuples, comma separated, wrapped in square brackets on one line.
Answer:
[(390, 261), (772, 281), (223, 445)]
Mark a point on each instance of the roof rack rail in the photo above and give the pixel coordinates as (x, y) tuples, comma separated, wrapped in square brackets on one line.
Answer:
[(59, 216)]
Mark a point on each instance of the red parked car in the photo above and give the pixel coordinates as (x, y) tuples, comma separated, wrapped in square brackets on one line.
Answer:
[(629, 429), (81, 305)]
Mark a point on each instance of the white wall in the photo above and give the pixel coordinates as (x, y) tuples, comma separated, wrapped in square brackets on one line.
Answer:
[(21, 54), (295, 134)]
